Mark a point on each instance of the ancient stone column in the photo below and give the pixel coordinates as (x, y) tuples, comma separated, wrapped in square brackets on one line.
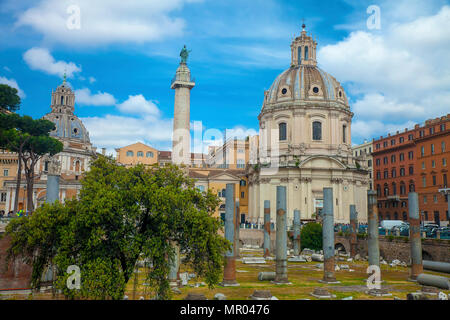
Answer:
[(236, 231), (353, 230), (328, 236), (54, 172), (414, 236), (174, 266), (373, 245), (297, 225), (281, 238), (266, 228), (229, 273)]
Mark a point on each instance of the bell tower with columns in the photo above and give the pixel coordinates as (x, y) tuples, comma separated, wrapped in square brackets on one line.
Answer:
[(182, 83)]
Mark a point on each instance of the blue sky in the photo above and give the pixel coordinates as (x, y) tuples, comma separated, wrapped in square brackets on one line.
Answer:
[(123, 57)]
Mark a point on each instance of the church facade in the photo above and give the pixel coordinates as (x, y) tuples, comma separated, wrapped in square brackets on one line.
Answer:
[(305, 143)]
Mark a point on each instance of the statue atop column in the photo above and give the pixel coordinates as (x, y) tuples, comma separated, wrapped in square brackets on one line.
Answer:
[(184, 54)]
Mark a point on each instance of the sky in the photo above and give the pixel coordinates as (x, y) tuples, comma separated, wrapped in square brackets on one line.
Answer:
[(120, 57)]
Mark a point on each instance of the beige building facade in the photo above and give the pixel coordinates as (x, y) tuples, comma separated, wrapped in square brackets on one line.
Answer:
[(137, 153), (363, 157)]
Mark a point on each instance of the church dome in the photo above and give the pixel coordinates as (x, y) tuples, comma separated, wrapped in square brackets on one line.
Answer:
[(304, 81), (68, 125)]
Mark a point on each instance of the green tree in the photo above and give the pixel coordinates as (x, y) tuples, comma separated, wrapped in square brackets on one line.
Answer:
[(9, 100), (311, 236), (122, 216), (30, 139)]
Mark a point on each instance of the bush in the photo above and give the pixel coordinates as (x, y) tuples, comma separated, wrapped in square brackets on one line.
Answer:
[(311, 236)]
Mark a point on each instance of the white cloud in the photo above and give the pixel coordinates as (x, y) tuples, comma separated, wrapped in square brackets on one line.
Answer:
[(399, 74), (138, 105), (13, 84), (85, 97), (92, 79), (41, 59), (106, 21)]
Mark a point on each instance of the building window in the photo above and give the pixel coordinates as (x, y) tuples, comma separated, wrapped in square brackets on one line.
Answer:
[(444, 180), (299, 55), (402, 156), (377, 146), (432, 148), (421, 133), (3, 197), (434, 180), (442, 127), (444, 162), (394, 173), (386, 174), (402, 172), (385, 160), (433, 164), (411, 170), (443, 146), (422, 151), (402, 190), (405, 216), (423, 165), (435, 198), (424, 181), (201, 188), (317, 130), (386, 190), (240, 164), (424, 199), (393, 158), (306, 53), (410, 137), (242, 194), (377, 161), (378, 191), (344, 133), (130, 153), (62, 102), (401, 139), (140, 154), (378, 175), (393, 142), (282, 131), (369, 163), (6, 172), (242, 183), (431, 130), (385, 144), (410, 155), (394, 188), (149, 154), (411, 187)]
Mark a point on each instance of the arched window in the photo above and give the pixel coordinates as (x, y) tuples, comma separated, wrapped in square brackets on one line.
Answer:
[(402, 188), (411, 187), (140, 154), (405, 216), (394, 188), (130, 153), (77, 166), (306, 53), (386, 190), (317, 130), (62, 100), (149, 154), (299, 55), (378, 190), (282, 131)]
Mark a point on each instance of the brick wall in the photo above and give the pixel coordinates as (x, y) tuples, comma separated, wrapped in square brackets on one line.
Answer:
[(18, 274)]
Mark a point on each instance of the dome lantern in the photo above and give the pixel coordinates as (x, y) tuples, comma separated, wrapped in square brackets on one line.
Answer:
[(303, 50)]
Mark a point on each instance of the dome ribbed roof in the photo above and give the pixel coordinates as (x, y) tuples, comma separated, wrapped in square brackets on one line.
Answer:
[(305, 83)]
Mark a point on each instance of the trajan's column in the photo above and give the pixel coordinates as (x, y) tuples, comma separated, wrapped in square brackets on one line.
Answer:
[(182, 83)]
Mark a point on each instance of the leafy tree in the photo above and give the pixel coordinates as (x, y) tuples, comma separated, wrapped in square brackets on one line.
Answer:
[(122, 216), (311, 236), (9, 100), (30, 139)]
